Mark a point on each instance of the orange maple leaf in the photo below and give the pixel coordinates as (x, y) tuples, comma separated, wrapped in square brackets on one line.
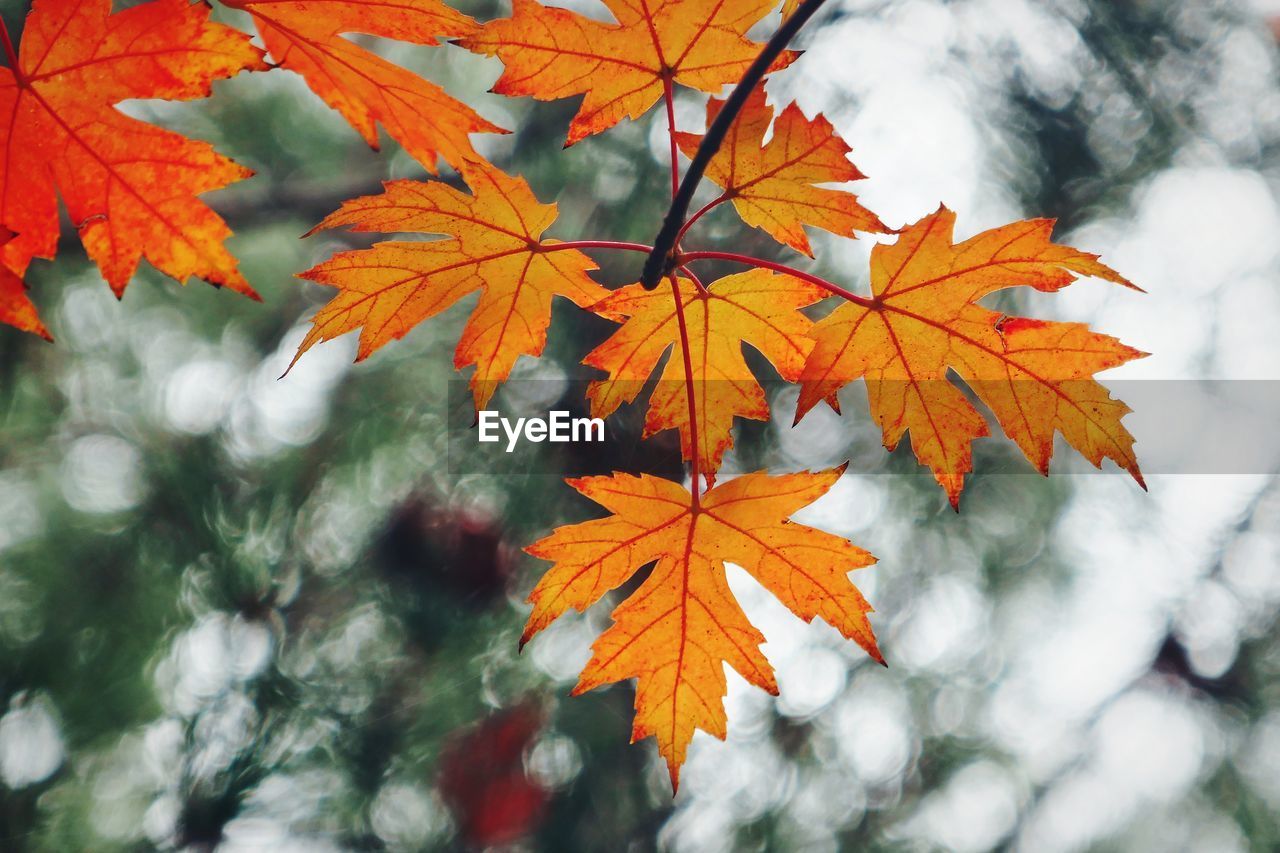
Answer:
[(1034, 375), (678, 629), (306, 36), (552, 53), (493, 245), (773, 186), (756, 307), (130, 187)]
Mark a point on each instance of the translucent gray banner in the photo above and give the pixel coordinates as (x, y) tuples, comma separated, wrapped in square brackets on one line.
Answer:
[(544, 427)]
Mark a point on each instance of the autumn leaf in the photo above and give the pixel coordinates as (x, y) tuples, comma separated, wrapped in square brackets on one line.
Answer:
[(678, 629), (15, 306), (552, 53), (774, 186), (129, 187), (757, 307), (307, 36), (492, 244), (1035, 376)]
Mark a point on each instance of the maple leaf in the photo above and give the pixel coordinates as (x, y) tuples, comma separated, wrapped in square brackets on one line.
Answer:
[(756, 307), (130, 187), (306, 36), (552, 53), (678, 629), (15, 306), (493, 244), (1034, 375), (773, 186)]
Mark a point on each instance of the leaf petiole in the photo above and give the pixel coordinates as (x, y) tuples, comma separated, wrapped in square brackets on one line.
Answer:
[(689, 274), (695, 449), (669, 97), (593, 244), (702, 211), (761, 263)]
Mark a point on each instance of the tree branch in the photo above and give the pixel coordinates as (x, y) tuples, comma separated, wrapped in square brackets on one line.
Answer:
[(660, 262)]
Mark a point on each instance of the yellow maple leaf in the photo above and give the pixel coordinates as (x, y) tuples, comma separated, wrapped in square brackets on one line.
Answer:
[(774, 186), (493, 245), (757, 307), (678, 629), (1035, 376), (552, 53)]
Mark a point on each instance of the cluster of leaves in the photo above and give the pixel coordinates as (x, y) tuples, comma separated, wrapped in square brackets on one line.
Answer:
[(131, 189)]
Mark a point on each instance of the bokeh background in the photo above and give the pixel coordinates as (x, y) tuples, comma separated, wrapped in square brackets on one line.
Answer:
[(241, 613)]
